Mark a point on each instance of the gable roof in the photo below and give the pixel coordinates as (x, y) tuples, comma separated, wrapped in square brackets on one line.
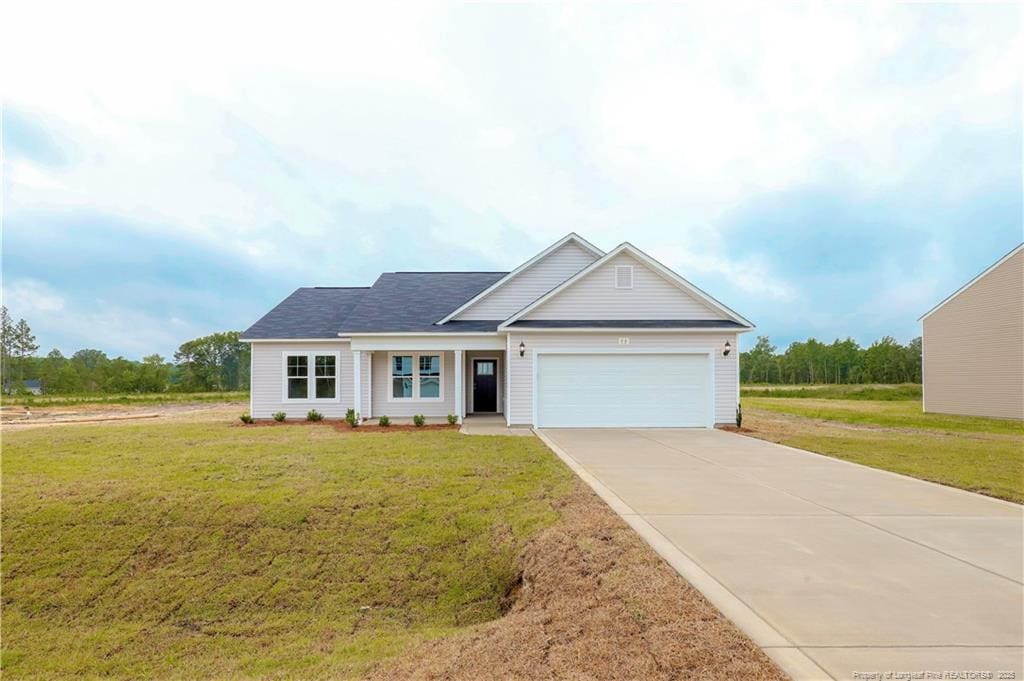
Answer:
[(971, 283), (665, 272), (307, 313), (414, 301), (571, 236)]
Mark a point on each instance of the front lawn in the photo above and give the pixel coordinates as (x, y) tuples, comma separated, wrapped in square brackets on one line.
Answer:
[(205, 549), (977, 454)]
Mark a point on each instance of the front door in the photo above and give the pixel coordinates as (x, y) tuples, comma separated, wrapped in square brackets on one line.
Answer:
[(485, 385)]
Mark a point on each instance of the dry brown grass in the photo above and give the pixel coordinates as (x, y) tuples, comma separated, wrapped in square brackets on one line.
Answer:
[(595, 602)]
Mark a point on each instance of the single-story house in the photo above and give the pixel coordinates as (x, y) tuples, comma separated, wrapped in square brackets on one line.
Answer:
[(31, 385), (573, 337), (973, 345)]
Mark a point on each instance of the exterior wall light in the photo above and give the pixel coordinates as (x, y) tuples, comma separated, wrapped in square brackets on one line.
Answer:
[(728, 349), (522, 349)]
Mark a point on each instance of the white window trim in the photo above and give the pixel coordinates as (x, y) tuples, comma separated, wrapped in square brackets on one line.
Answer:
[(415, 376), (619, 268), (310, 376)]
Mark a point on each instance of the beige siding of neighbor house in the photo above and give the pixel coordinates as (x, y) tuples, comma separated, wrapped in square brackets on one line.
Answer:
[(520, 369), (974, 347), (268, 375), (594, 296), (405, 408), (530, 284)]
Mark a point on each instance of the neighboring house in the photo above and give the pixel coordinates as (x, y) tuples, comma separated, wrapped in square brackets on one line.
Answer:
[(973, 345), (572, 337), (32, 385)]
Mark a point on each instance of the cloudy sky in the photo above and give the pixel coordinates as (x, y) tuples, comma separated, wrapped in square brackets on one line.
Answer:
[(826, 170)]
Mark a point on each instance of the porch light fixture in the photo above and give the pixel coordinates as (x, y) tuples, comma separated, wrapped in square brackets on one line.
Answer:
[(728, 349), (522, 349)]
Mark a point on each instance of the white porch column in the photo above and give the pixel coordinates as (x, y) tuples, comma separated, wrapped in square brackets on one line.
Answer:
[(460, 390), (357, 383)]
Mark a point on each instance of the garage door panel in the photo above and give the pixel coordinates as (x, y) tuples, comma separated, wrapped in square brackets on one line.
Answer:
[(621, 390)]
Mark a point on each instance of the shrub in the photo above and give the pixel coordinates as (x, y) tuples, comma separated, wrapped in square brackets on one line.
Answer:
[(383, 422), (280, 416), (314, 415), (739, 416), (419, 420), (452, 419), (352, 418), (245, 418)]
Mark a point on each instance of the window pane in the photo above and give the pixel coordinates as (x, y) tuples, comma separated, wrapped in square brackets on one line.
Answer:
[(485, 368), (401, 365), (298, 365), (298, 388), (325, 365), (401, 387), (430, 365), (430, 387), (325, 388)]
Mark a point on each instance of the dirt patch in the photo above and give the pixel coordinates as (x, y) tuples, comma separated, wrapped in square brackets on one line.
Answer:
[(593, 602), (734, 429), (22, 417)]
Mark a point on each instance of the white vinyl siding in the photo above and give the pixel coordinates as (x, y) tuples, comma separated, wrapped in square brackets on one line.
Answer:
[(622, 390), (519, 370), (530, 284), (402, 408), (268, 380), (596, 296)]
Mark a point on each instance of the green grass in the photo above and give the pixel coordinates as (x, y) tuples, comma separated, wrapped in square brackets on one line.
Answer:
[(890, 414), (977, 454), (906, 391), (85, 399), (208, 550)]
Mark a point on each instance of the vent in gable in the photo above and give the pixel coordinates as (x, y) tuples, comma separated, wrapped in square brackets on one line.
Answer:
[(623, 276)]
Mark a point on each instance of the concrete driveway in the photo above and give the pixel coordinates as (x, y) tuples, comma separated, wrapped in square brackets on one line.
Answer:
[(836, 570)]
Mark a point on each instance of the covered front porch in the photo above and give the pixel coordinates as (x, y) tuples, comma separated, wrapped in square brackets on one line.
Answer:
[(403, 377)]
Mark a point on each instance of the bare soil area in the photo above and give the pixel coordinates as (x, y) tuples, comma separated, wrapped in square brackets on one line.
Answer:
[(17, 416), (594, 602)]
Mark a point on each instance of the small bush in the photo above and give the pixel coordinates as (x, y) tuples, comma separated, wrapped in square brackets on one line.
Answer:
[(280, 416), (452, 419), (419, 420), (383, 422), (245, 418), (352, 418), (314, 415)]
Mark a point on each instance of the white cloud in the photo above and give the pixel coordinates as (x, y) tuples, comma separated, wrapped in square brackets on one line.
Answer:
[(25, 297)]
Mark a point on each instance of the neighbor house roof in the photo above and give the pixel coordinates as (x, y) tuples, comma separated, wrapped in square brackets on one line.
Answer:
[(308, 313), (971, 283), (414, 301)]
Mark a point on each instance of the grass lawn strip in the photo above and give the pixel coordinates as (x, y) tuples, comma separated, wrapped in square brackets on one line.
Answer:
[(976, 454)]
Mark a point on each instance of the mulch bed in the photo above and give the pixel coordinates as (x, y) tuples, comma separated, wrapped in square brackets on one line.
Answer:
[(342, 425), (594, 602), (735, 429)]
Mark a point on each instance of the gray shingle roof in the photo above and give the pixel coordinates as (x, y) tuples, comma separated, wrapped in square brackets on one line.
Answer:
[(413, 301), (308, 313), (626, 324), (397, 302)]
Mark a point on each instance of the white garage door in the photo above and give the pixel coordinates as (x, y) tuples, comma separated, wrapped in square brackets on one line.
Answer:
[(623, 390)]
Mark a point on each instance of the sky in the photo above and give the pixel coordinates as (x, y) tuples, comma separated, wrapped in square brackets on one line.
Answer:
[(826, 170)]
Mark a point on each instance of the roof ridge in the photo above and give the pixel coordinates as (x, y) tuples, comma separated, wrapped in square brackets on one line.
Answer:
[(348, 288), (448, 272)]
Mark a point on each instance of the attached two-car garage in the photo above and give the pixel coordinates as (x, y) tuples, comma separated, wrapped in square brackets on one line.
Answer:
[(621, 389)]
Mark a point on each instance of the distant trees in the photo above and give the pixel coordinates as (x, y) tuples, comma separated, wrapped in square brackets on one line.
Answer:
[(212, 363), (842, 361), (17, 345)]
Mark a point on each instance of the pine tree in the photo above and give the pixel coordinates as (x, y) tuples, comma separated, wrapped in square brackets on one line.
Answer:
[(24, 345)]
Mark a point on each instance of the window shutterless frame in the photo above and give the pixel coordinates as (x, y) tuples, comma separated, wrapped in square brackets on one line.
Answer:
[(422, 370), (319, 368)]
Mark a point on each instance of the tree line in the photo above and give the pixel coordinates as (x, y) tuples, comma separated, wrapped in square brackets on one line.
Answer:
[(842, 361), (217, 362)]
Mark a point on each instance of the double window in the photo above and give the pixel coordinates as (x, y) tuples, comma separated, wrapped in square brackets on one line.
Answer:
[(311, 376), (416, 376)]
